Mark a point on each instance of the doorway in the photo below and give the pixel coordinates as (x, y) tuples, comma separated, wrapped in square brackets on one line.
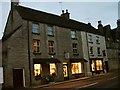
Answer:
[(18, 81)]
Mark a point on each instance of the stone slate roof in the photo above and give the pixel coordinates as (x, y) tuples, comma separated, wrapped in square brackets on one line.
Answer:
[(43, 17)]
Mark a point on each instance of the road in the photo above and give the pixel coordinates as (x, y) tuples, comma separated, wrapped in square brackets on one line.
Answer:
[(110, 80)]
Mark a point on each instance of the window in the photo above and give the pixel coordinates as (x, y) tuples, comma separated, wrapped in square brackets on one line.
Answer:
[(53, 69), (36, 45), (104, 53), (73, 34), (98, 50), (90, 38), (50, 31), (74, 48), (97, 40), (51, 46), (76, 68), (99, 65), (37, 71), (91, 50), (35, 28), (93, 65)]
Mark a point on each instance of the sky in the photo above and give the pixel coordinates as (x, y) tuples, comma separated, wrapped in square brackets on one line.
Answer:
[(85, 12)]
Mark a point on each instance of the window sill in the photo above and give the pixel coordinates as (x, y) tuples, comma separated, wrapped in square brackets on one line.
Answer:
[(97, 43), (91, 54), (52, 53), (91, 42), (51, 35), (74, 38), (35, 33), (75, 53), (99, 55), (37, 53)]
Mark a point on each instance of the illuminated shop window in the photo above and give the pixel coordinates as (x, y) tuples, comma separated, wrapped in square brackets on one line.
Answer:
[(93, 65), (52, 69), (37, 70), (65, 72), (99, 65), (76, 68), (36, 45)]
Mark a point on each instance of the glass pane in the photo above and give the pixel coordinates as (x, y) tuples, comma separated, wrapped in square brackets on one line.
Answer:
[(52, 69), (76, 68)]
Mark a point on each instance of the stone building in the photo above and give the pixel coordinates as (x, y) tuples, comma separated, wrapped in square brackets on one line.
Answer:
[(39, 47), (112, 37), (1, 67)]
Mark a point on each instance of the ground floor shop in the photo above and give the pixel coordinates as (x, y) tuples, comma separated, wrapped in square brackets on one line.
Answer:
[(98, 65)]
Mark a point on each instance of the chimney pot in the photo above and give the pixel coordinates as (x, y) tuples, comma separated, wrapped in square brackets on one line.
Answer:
[(62, 11), (66, 10)]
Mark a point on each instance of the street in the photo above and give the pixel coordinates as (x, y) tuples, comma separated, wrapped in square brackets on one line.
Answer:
[(109, 80)]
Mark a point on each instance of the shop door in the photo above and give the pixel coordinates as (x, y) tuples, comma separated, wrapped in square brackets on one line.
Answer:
[(18, 78), (65, 71)]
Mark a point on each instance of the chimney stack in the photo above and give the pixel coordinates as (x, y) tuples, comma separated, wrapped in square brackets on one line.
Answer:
[(14, 3), (118, 23), (66, 14), (100, 27)]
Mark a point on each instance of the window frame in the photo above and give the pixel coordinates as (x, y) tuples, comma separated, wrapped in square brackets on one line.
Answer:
[(75, 49), (39, 70), (37, 47), (50, 30), (98, 51), (91, 52), (73, 34), (97, 40), (80, 68), (50, 46), (90, 40), (35, 28)]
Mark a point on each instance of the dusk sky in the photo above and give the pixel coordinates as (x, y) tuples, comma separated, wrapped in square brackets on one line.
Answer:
[(84, 12)]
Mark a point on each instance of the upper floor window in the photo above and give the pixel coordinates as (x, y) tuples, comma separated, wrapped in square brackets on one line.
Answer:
[(91, 50), (97, 40), (73, 34), (36, 45), (50, 30), (90, 38), (98, 50), (51, 47), (74, 48), (35, 28)]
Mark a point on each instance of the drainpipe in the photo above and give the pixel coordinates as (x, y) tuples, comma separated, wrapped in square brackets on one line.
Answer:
[(29, 52)]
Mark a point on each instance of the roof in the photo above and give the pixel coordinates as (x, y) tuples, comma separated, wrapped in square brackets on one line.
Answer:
[(43, 17)]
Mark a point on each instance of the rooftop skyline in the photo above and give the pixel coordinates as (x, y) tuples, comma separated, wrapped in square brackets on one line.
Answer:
[(84, 12)]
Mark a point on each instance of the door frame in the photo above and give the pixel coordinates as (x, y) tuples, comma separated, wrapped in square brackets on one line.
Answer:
[(23, 75)]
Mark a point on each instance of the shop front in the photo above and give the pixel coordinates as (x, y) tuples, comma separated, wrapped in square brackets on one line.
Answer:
[(96, 65), (45, 70), (77, 67)]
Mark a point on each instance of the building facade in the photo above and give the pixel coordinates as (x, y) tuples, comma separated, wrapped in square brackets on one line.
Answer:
[(1, 67), (112, 37), (47, 48)]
